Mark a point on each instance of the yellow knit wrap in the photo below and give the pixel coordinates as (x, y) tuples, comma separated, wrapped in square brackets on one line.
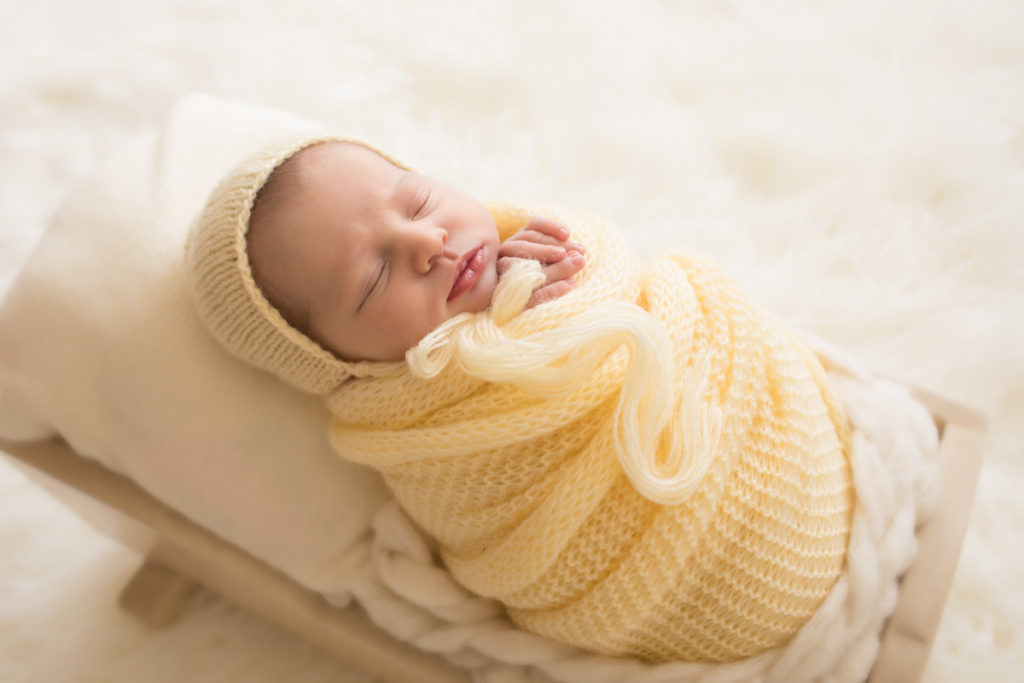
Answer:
[(649, 466)]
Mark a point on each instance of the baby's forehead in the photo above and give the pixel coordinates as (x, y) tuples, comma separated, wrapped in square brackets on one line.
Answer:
[(347, 172), (326, 183), (341, 154)]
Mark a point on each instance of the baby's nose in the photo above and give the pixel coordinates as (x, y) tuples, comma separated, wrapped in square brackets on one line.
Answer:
[(431, 245)]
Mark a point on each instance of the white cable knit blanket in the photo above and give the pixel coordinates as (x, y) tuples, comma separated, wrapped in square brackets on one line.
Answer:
[(894, 457)]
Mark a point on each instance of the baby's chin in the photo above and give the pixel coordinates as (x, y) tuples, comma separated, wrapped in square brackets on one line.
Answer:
[(479, 297), (486, 285)]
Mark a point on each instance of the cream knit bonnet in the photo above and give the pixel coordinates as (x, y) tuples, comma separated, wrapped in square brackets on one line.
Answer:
[(226, 295)]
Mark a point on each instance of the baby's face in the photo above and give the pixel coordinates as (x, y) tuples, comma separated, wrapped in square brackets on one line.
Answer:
[(370, 257)]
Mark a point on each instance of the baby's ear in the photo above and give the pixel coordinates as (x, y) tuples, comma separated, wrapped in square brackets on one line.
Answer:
[(509, 219)]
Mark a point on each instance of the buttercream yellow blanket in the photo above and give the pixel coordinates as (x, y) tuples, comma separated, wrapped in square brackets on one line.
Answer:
[(650, 466)]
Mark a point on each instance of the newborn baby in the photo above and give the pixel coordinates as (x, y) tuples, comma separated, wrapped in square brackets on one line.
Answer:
[(366, 257), (633, 458)]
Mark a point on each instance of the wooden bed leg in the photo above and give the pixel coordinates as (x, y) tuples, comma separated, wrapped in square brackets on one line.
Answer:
[(155, 595)]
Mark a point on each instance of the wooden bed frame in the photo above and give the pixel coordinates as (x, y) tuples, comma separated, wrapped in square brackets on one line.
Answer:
[(179, 555)]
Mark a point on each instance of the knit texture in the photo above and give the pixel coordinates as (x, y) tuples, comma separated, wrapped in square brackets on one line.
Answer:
[(649, 466), (228, 299)]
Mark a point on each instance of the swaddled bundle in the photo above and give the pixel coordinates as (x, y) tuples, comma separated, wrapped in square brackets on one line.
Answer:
[(648, 466)]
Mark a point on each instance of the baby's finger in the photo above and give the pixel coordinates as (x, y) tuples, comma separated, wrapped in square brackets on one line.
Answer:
[(545, 253), (550, 232), (550, 292), (531, 235), (548, 227), (564, 269), (504, 263)]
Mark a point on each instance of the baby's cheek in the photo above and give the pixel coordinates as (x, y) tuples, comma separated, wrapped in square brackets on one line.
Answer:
[(413, 322)]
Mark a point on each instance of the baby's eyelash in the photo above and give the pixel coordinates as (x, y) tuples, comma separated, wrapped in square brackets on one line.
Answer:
[(372, 287), (421, 203)]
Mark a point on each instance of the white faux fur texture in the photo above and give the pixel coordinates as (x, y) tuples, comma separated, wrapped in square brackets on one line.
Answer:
[(859, 166)]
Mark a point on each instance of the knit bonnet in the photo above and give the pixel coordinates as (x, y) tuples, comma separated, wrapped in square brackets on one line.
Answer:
[(228, 298)]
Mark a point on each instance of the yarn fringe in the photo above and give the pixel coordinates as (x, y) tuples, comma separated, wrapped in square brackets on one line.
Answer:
[(551, 364)]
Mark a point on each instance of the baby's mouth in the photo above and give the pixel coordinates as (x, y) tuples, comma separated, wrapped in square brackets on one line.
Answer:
[(467, 272)]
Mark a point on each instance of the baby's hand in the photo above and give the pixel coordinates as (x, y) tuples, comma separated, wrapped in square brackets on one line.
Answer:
[(546, 241)]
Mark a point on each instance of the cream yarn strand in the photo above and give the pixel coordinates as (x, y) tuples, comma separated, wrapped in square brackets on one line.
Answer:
[(552, 363)]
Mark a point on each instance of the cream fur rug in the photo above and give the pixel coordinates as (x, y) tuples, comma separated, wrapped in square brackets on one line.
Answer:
[(859, 167)]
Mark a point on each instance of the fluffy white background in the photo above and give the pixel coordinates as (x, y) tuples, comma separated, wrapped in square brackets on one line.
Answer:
[(859, 166)]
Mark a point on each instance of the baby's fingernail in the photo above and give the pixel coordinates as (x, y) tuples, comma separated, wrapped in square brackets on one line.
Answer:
[(578, 247)]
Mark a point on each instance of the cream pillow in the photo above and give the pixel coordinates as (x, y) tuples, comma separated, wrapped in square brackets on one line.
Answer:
[(99, 343)]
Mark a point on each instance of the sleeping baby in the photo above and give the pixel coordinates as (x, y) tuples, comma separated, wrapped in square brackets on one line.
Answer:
[(366, 268), (634, 459)]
